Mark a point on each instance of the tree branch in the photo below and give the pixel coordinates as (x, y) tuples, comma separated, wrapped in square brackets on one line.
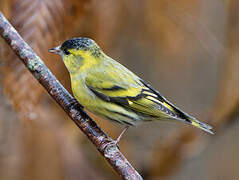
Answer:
[(74, 110)]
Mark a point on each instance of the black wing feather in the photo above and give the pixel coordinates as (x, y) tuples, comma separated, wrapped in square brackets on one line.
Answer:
[(179, 112)]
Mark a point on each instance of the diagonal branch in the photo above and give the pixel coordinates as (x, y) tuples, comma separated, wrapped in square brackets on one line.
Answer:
[(36, 66)]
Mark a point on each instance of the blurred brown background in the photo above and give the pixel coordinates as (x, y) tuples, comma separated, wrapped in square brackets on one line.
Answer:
[(188, 50)]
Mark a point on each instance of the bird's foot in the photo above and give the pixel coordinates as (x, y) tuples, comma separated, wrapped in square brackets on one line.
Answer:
[(115, 143), (110, 144)]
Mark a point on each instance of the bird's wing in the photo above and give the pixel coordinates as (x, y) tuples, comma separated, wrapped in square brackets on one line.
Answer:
[(133, 94), (127, 90)]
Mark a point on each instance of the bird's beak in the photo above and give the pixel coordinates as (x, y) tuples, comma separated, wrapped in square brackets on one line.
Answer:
[(56, 50)]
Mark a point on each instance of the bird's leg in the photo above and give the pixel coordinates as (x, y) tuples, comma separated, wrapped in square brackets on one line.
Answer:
[(115, 142), (121, 134)]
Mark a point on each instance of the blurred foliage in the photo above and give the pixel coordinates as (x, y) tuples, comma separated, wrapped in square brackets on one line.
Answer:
[(186, 49)]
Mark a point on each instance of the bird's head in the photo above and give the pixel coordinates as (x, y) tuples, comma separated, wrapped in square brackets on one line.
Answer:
[(78, 52)]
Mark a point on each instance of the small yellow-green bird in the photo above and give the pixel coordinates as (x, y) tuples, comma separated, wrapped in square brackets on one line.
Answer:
[(110, 90)]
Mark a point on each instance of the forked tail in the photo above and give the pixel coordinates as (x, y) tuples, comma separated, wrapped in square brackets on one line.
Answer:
[(201, 125)]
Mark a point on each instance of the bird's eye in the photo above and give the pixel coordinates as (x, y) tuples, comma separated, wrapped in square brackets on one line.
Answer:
[(66, 52)]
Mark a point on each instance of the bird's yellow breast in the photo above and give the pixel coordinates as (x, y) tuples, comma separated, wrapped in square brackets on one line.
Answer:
[(80, 90)]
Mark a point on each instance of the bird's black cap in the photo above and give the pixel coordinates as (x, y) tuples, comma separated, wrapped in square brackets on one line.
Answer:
[(78, 43)]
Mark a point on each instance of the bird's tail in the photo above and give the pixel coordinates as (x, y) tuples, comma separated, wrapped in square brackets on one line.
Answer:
[(200, 125), (182, 116)]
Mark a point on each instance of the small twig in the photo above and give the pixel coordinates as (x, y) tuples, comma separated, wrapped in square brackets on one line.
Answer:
[(74, 110)]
